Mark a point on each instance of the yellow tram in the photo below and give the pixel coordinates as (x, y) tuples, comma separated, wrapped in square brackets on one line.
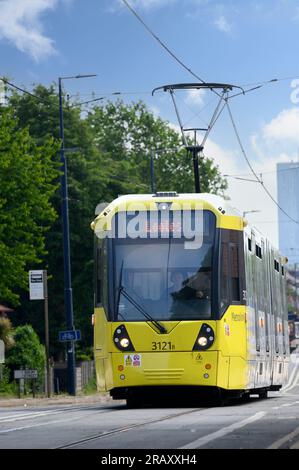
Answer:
[(188, 299)]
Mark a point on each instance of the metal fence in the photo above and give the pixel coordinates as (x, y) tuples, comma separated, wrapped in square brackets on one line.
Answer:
[(85, 371)]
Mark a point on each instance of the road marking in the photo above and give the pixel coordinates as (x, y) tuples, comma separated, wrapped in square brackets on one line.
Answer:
[(37, 414), (6, 431), (222, 432), (295, 446), (277, 444), (292, 382), (285, 405), (8, 419), (125, 429)]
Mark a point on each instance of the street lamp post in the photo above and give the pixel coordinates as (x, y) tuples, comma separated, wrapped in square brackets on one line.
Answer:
[(68, 295)]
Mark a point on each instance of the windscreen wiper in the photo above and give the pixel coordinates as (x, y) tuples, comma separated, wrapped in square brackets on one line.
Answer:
[(141, 309)]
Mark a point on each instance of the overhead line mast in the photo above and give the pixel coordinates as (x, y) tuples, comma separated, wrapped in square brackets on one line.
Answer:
[(196, 149)]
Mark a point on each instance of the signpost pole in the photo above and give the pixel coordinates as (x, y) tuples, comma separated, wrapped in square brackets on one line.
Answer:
[(47, 333), (38, 290), (2, 358)]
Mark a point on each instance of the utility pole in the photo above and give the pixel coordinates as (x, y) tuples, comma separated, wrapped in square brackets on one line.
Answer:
[(195, 150), (152, 168), (46, 308), (68, 294)]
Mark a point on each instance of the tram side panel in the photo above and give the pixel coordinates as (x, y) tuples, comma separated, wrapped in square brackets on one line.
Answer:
[(231, 327), (267, 347)]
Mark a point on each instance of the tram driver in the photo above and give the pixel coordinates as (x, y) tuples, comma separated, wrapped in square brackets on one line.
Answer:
[(198, 286)]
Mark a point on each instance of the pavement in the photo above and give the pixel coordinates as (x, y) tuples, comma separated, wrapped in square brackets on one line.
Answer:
[(55, 400)]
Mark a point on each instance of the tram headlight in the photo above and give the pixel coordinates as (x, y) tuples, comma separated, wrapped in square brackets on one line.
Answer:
[(124, 342), (202, 341), (122, 339), (205, 338)]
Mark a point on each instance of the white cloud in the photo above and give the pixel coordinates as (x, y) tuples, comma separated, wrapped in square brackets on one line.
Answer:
[(283, 128), (222, 24), (250, 195), (195, 97), (264, 153), (20, 24)]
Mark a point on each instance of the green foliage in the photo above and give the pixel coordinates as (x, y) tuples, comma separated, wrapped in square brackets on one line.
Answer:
[(26, 180), (6, 334), (91, 387), (28, 352), (84, 355), (7, 388), (129, 132)]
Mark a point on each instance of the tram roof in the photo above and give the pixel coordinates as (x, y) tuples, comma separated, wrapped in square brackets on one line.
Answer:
[(212, 199), (217, 202)]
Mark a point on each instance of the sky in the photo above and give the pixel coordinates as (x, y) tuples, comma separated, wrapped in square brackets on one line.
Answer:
[(231, 41)]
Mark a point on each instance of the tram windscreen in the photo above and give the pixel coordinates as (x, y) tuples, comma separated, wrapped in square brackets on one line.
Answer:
[(164, 276)]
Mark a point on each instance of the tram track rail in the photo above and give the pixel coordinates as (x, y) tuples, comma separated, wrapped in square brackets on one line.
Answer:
[(127, 428)]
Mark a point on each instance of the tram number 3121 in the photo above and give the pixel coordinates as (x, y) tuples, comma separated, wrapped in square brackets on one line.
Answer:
[(162, 346)]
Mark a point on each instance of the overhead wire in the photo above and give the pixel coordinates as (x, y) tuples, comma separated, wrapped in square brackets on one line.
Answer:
[(179, 61), (251, 167), (47, 102), (265, 172), (12, 85), (215, 116), (255, 87), (214, 119)]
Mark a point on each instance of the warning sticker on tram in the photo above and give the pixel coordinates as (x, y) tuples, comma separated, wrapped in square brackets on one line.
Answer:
[(133, 360)]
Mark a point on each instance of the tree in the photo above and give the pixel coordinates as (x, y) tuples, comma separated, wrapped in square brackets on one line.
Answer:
[(130, 132), (27, 353), (6, 332), (27, 175)]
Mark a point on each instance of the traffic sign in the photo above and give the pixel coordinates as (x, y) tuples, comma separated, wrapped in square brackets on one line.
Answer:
[(70, 335), (25, 374), (2, 352), (37, 285)]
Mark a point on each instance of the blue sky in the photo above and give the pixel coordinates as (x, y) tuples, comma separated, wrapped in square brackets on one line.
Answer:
[(222, 41)]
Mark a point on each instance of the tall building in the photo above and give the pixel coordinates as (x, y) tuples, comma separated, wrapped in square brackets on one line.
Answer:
[(288, 199)]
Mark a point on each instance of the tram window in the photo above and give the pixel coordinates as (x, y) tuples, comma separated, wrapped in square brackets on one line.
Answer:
[(235, 281), (224, 278), (98, 280), (105, 276), (101, 287), (258, 251), (249, 244)]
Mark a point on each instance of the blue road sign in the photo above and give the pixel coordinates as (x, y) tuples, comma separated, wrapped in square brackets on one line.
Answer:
[(70, 335)]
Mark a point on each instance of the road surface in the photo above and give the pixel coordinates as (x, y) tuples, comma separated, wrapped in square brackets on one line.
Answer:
[(257, 424)]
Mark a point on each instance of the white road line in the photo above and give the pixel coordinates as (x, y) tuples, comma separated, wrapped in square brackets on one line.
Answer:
[(277, 444), (8, 419), (37, 414), (222, 432), (292, 382), (285, 405), (6, 431), (295, 446)]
